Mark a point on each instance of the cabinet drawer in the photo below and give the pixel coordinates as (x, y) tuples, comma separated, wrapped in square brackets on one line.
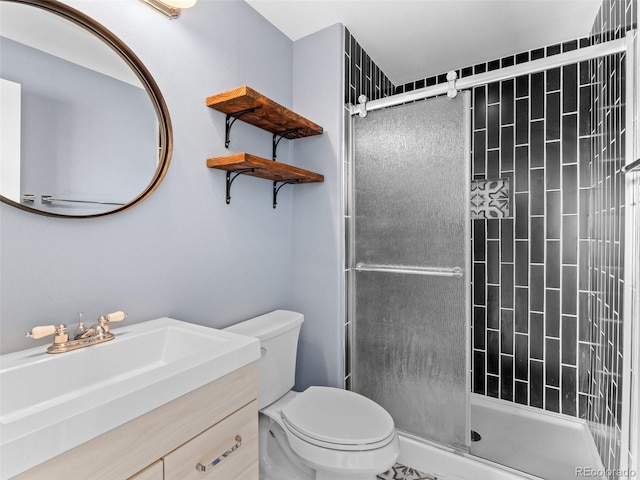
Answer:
[(152, 472), (240, 463)]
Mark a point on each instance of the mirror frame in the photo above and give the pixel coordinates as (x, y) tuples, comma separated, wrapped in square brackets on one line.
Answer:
[(165, 132)]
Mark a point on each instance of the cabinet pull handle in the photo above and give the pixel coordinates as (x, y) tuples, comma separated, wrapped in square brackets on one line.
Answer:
[(205, 468)]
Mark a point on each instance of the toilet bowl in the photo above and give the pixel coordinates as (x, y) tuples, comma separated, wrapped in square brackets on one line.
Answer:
[(322, 433)]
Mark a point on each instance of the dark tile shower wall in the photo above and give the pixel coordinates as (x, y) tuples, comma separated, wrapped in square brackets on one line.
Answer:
[(534, 131), (531, 269), (606, 273)]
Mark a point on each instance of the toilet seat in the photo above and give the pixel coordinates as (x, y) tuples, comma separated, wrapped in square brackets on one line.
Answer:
[(338, 419)]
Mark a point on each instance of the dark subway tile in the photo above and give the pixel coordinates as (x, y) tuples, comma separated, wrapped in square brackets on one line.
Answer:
[(522, 357), (522, 121), (536, 192), (479, 151), (478, 372), (506, 331), (493, 386), (570, 88), (584, 127), (536, 239), (536, 288), (479, 284), (493, 164), (584, 364), (522, 57), (585, 73), (553, 165), (479, 107), (507, 102), (569, 391), (583, 266), (584, 160), (493, 261), (493, 229), (537, 96), (553, 264), (507, 61), (493, 126), (569, 289), (506, 378), (552, 313), (479, 327), (493, 93), (522, 263), (480, 68), (554, 214), (570, 45), (506, 240), (570, 139), (537, 54), (552, 362), (493, 352), (479, 240), (553, 79), (467, 72), (521, 393), (569, 189), (537, 144), (569, 337), (554, 49), (493, 65), (552, 399), (506, 148), (536, 384), (522, 169), (506, 286), (536, 335), (522, 215), (521, 310), (493, 307), (570, 239), (553, 116)]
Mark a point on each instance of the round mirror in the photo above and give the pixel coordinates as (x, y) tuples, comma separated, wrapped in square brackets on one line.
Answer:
[(85, 131)]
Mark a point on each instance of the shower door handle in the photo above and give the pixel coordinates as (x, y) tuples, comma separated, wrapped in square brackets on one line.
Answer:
[(412, 270)]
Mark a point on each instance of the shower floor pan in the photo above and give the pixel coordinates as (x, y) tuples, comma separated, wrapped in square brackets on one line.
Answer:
[(544, 444)]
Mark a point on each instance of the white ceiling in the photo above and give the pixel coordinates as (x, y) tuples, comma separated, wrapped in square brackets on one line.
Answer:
[(414, 39)]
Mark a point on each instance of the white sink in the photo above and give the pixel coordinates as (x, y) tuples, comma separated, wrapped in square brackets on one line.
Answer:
[(50, 403)]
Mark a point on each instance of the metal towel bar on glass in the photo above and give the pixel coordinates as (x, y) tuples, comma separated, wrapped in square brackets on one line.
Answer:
[(432, 271), (50, 199)]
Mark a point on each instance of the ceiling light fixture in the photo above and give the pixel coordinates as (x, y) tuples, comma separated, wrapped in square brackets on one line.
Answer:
[(170, 8)]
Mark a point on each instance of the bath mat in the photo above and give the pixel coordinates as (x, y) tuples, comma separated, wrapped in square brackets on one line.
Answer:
[(402, 472)]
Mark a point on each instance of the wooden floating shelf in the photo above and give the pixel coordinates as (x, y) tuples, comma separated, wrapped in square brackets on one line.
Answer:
[(269, 115), (267, 169)]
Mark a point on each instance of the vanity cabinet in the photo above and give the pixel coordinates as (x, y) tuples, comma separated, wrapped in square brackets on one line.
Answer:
[(169, 441)]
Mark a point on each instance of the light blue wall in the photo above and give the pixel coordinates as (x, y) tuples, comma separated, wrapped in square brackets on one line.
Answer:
[(183, 252), (318, 271)]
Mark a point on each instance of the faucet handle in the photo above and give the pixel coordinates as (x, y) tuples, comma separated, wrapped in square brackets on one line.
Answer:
[(60, 332), (39, 332), (115, 316)]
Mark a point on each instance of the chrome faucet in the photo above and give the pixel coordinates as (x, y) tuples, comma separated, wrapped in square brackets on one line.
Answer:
[(84, 337)]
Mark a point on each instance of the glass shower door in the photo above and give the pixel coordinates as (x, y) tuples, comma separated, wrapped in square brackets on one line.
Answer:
[(410, 298)]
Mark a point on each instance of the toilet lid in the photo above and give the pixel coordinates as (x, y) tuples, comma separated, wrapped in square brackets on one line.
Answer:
[(338, 417)]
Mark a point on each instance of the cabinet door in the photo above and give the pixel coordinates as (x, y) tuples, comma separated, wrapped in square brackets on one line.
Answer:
[(152, 472), (228, 450)]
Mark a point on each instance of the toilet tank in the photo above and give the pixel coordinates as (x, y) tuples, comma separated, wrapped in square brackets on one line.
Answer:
[(278, 333)]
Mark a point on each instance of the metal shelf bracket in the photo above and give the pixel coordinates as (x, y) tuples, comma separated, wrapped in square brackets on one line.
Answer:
[(230, 120), (230, 180), (277, 188), (279, 136)]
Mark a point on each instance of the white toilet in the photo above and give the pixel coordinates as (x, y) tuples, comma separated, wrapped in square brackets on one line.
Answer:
[(322, 433)]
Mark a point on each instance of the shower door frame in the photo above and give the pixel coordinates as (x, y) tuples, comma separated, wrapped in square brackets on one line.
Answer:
[(631, 304)]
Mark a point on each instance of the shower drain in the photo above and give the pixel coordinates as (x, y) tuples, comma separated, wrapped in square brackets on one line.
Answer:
[(475, 436)]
